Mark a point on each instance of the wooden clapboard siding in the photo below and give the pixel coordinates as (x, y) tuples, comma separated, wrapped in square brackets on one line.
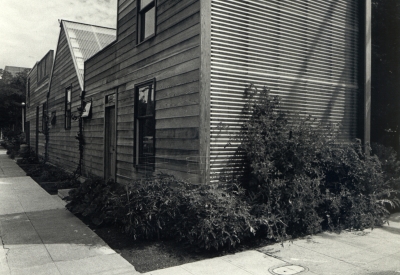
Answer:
[(307, 52), (172, 58), (38, 93), (63, 147)]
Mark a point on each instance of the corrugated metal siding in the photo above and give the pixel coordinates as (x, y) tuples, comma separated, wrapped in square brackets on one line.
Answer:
[(305, 51)]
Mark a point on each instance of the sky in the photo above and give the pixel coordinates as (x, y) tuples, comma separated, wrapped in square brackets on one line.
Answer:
[(30, 28)]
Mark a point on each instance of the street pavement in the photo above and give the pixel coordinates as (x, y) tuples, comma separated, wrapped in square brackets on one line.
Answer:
[(39, 236)]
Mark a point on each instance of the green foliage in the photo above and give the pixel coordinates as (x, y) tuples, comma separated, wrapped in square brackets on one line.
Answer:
[(48, 173), (148, 208), (215, 218), (390, 166), (29, 157), (12, 94), (91, 199), (301, 175), (12, 141), (165, 207)]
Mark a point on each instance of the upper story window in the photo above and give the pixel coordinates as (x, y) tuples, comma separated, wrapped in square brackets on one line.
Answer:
[(146, 24), (68, 100)]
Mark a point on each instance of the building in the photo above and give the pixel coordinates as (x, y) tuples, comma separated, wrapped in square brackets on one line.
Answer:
[(177, 72), (77, 42), (36, 90)]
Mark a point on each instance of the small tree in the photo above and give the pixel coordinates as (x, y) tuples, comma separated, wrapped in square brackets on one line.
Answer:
[(12, 94)]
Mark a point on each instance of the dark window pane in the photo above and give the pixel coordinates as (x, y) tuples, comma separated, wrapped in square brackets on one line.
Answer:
[(145, 101), (147, 135), (149, 22)]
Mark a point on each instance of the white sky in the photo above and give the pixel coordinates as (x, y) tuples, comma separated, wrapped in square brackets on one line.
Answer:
[(30, 28)]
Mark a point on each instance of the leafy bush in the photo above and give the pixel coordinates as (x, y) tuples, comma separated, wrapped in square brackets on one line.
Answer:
[(148, 208), (28, 157), (165, 207), (213, 217), (91, 199), (299, 174), (390, 166), (355, 189), (48, 173)]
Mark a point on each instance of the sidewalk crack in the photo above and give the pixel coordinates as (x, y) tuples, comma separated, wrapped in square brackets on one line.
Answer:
[(6, 254)]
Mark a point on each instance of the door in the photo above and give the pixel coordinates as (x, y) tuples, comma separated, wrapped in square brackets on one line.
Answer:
[(109, 145), (37, 131)]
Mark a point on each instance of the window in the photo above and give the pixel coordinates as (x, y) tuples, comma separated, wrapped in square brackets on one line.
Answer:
[(68, 97), (144, 124), (53, 118), (44, 120), (146, 23), (29, 93), (44, 67)]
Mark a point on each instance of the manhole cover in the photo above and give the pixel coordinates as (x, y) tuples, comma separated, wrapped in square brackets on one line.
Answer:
[(287, 269)]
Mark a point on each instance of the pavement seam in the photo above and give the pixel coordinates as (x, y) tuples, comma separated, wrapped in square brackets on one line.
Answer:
[(8, 250)]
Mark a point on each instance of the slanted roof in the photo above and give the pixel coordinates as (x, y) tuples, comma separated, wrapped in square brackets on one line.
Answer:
[(85, 41)]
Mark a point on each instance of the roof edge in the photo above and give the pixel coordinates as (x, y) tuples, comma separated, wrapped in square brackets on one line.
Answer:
[(63, 20), (80, 78)]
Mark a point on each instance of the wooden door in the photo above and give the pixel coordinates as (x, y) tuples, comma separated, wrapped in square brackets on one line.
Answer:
[(109, 145), (37, 131)]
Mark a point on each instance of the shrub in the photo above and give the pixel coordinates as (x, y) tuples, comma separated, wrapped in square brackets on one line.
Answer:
[(91, 199), (390, 166), (354, 188), (148, 208), (299, 174), (212, 217), (29, 157), (48, 173), (165, 207)]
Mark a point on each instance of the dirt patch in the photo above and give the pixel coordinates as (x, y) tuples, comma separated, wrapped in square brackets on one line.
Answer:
[(147, 256)]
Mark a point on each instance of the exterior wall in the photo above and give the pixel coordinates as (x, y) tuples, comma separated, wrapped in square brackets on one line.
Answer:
[(38, 92), (308, 52), (172, 58), (63, 147)]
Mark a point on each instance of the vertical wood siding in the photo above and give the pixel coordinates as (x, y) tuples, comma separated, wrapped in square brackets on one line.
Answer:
[(172, 58), (63, 147), (307, 52)]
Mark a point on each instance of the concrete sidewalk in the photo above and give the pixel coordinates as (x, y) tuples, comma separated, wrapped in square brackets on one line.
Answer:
[(374, 252), (39, 236)]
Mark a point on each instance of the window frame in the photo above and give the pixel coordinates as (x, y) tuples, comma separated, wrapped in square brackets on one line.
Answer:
[(44, 120), (140, 29), (68, 109), (28, 98), (137, 155)]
